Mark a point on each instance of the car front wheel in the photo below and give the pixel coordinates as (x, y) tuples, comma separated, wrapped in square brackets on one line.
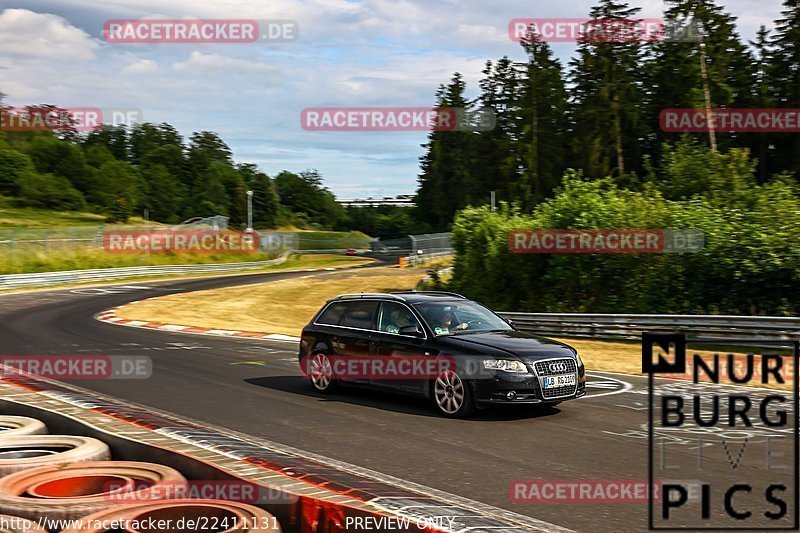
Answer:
[(452, 396)]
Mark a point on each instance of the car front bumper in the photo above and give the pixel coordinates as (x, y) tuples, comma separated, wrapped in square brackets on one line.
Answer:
[(524, 389)]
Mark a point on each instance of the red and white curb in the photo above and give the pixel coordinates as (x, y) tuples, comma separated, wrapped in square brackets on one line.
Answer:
[(111, 316)]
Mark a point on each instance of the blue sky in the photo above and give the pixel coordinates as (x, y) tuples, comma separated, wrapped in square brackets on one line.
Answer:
[(382, 53)]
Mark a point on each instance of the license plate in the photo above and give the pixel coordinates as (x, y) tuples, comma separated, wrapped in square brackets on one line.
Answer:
[(565, 380)]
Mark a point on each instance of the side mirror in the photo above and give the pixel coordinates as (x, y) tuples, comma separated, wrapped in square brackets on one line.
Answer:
[(509, 322), (413, 331)]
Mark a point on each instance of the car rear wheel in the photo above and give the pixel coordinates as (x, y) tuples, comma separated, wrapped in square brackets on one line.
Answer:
[(452, 397), (321, 373)]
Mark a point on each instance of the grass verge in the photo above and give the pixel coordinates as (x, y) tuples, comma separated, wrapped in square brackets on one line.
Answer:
[(276, 307)]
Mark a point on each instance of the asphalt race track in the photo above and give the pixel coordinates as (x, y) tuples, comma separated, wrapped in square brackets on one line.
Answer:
[(254, 387)]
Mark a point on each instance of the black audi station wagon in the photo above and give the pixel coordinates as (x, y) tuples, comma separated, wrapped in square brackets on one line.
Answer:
[(437, 345)]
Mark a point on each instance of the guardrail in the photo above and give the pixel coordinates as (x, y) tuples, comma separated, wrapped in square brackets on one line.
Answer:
[(43, 279), (723, 328)]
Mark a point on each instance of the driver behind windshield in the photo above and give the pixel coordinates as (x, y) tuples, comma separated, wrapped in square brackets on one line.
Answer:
[(444, 323)]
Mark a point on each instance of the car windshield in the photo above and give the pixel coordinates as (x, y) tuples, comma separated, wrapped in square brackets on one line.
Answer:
[(453, 318)]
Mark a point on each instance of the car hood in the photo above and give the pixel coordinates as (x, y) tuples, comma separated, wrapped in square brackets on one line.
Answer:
[(523, 345)]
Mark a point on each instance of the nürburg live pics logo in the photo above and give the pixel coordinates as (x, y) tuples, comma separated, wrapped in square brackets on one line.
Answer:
[(722, 433)]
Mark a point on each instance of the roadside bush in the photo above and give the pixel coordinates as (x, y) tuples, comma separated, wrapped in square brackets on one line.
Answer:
[(750, 263)]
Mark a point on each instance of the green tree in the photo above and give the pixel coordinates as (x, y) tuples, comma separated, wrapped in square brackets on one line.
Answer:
[(784, 79), (305, 195), (13, 165), (116, 189), (209, 194), (544, 123), (60, 157), (206, 147), (164, 194), (50, 191), (113, 138), (709, 67), (446, 180), (607, 97)]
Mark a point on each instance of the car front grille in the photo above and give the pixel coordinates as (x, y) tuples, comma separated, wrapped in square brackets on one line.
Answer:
[(564, 366), (554, 367)]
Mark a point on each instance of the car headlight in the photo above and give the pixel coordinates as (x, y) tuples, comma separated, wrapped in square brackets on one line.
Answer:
[(506, 365), (578, 359)]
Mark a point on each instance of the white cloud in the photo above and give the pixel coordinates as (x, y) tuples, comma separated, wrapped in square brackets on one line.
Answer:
[(199, 62), (143, 66), (25, 34)]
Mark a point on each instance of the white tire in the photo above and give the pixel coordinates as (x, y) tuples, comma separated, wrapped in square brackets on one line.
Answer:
[(31, 451), (13, 426)]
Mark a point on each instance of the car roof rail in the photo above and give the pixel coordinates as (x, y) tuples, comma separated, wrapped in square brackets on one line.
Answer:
[(436, 293), (357, 295)]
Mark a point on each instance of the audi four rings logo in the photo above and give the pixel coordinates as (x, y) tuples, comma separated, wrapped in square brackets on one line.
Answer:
[(558, 367)]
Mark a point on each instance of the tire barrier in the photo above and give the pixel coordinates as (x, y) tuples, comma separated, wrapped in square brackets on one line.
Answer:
[(12, 426), (31, 451), (182, 515), (16, 524), (76, 490)]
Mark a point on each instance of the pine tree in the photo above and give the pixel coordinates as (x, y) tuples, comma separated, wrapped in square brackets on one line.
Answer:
[(710, 67), (447, 178), (499, 154), (607, 97), (762, 145), (543, 103), (784, 80)]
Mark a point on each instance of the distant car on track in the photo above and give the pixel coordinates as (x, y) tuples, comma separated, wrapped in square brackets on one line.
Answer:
[(351, 251), (437, 345)]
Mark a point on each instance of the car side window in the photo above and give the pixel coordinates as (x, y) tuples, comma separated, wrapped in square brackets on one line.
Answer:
[(360, 315), (333, 315), (394, 316)]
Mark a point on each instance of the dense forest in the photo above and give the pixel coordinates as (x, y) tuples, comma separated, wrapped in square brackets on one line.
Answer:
[(600, 114), (581, 148)]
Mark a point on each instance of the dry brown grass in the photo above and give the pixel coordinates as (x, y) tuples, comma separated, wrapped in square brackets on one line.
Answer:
[(275, 307), (622, 357)]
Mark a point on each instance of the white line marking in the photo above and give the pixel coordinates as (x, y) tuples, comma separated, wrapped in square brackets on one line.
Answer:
[(625, 388)]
